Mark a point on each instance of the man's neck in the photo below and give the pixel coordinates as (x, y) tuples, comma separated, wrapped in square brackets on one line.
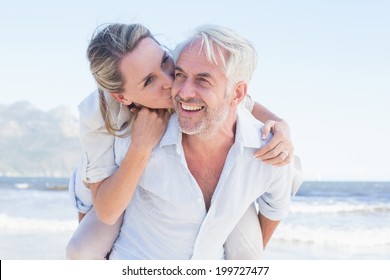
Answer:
[(206, 156)]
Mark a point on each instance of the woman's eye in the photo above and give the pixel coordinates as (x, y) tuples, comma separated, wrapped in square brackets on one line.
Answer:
[(167, 64), (148, 81), (165, 60)]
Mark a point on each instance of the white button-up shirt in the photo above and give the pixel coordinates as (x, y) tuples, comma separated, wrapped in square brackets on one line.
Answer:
[(167, 218), (98, 157)]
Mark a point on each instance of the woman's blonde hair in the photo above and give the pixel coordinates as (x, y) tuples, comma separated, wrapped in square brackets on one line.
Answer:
[(108, 46)]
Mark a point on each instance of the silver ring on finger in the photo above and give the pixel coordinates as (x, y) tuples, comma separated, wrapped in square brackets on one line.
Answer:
[(286, 153)]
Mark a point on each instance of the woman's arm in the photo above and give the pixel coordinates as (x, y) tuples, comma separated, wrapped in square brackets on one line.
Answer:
[(279, 150), (112, 195), (263, 114)]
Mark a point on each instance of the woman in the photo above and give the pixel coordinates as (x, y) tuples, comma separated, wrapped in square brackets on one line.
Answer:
[(133, 74)]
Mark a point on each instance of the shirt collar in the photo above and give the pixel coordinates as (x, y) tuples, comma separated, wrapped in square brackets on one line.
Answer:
[(248, 131), (172, 135)]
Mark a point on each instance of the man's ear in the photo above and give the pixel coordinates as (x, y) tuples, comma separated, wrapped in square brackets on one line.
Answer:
[(120, 98), (239, 92)]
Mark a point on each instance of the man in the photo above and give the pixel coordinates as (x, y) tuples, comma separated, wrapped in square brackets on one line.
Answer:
[(202, 178)]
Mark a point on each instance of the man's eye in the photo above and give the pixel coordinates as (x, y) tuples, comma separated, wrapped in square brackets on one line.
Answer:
[(203, 80), (178, 75)]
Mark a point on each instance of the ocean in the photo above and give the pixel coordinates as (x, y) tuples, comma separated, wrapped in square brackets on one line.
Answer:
[(327, 221), (335, 220)]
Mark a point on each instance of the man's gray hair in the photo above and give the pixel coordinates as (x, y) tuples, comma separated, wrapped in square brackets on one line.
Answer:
[(237, 54)]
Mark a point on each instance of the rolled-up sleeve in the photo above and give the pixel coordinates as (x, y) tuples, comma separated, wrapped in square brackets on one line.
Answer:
[(298, 176), (274, 204), (79, 194)]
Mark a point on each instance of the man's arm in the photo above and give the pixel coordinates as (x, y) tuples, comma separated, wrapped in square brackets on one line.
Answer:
[(267, 228)]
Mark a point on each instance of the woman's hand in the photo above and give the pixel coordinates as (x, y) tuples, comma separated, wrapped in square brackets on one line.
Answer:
[(112, 195), (279, 150), (148, 128)]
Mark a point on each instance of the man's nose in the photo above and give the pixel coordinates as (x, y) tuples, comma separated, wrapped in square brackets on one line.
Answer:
[(187, 89)]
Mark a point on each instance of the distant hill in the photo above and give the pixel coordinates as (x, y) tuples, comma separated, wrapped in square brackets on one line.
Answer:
[(36, 143)]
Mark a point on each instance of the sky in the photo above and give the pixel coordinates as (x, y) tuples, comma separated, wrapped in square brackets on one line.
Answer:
[(324, 66)]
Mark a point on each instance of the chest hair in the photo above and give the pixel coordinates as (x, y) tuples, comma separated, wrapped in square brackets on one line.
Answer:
[(207, 175)]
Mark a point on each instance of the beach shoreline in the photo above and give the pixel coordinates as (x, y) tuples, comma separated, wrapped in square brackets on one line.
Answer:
[(51, 246), (327, 221)]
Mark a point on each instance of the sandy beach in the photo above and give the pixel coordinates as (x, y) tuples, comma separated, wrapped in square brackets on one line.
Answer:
[(36, 246), (335, 221)]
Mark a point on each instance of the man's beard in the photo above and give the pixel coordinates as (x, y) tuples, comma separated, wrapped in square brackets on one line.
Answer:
[(208, 124)]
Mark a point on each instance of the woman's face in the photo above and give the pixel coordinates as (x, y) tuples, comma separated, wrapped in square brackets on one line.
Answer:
[(148, 75)]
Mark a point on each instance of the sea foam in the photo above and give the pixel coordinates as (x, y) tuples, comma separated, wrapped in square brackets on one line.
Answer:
[(25, 225)]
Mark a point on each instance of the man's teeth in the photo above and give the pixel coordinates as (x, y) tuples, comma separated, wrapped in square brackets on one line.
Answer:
[(191, 107)]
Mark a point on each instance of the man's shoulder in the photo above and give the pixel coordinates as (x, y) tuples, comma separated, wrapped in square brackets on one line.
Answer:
[(250, 130), (248, 120)]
